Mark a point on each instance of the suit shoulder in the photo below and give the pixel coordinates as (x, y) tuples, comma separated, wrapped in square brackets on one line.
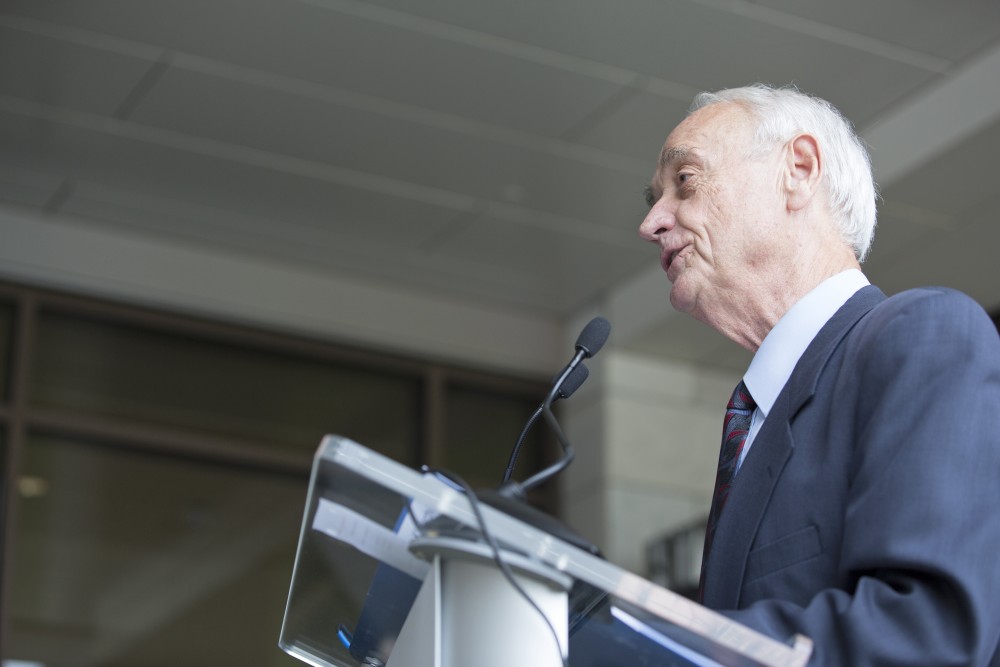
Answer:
[(930, 313), (932, 302)]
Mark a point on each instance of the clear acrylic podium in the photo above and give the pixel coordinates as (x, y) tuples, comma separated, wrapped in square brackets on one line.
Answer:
[(392, 571)]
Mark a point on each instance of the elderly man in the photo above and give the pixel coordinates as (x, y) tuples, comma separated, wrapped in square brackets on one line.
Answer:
[(860, 465)]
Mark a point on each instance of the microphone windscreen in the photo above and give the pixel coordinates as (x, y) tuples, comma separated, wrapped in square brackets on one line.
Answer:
[(573, 381), (593, 336)]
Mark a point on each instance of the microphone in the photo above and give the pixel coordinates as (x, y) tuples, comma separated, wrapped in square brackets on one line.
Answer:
[(588, 343), (573, 381), (593, 337)]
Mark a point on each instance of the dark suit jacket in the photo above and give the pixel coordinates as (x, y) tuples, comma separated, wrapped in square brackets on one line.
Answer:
[(867, 513)]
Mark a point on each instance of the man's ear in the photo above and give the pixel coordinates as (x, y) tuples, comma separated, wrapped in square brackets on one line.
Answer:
[(803, 170)]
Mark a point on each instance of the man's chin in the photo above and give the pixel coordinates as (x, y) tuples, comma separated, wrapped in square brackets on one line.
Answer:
[(682, 300)]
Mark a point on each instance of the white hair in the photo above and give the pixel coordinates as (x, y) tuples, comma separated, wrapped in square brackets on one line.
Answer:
[(781, 113)]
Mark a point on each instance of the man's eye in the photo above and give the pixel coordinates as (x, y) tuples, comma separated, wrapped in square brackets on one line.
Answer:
[(683, 178)]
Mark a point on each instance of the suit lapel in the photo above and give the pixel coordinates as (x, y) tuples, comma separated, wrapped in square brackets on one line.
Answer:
[(770, 451)]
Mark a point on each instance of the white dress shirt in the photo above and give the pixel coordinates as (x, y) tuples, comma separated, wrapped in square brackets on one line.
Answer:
[(777, 356)]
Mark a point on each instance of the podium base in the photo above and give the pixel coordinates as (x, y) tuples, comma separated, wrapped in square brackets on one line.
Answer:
[(467, 612)]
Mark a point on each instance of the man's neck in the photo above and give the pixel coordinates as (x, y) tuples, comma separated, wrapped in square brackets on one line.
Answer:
[(749, 321)]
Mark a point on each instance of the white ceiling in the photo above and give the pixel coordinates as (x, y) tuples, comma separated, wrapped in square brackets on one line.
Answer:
[(491, 152)]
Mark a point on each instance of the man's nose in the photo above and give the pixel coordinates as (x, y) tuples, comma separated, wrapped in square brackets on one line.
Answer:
[(658, 221)]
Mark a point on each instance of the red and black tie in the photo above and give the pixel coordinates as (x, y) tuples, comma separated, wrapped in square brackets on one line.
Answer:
[(735, 428)]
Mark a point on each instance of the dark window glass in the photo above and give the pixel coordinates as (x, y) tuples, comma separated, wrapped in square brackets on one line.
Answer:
[(132, 559), (481, 429), (160, 489), (6, 348), (129, 373)]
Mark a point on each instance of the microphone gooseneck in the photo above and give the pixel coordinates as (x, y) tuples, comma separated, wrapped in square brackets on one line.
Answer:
[(588, 343), (573, 381)]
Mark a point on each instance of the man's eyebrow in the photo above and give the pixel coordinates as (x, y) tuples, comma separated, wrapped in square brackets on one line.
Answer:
[(668, 156)]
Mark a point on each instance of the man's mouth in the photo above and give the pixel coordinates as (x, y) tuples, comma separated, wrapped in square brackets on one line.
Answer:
[(668, 259)]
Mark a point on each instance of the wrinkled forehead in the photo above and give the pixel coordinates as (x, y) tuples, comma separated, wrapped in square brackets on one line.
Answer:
[(708, 133)]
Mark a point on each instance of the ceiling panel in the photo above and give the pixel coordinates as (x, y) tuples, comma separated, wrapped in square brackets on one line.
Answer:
[(859, 83), (939, 226), (963, 259), (260, 193), (24, 187), (945, 29), (947, 184), (698, 45), (216, 27), (637, 126), (327, 248), (522, 169), (562, 270), (43, 69), (900, 228), (310, 43), (355, 218)]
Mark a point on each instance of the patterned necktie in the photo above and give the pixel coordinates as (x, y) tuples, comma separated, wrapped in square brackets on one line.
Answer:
[(735, 428)]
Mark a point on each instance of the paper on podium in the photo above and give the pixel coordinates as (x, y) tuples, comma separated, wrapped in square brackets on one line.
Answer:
[(369, 537)]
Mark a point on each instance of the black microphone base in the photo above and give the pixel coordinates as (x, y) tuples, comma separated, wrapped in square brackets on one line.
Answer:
[(507, 502)]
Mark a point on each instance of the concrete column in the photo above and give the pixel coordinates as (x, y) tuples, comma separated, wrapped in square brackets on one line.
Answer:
[(646, 433)]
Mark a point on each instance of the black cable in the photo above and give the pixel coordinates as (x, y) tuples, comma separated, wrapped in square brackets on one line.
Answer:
[(517, 445), (498, 559)]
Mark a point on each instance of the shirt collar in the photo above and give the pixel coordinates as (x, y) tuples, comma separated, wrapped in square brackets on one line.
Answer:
[(781, 349)]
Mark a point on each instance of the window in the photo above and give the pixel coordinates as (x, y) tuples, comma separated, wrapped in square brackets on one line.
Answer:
[(155, 467)]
